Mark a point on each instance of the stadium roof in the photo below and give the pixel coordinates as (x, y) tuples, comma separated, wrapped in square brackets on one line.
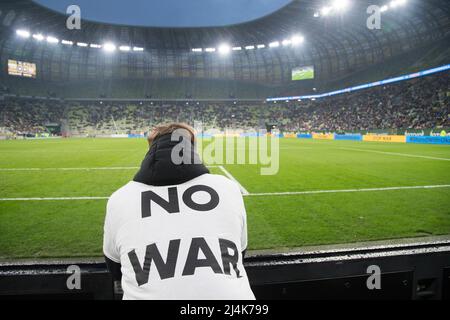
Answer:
[(296, 17), (336, 42)]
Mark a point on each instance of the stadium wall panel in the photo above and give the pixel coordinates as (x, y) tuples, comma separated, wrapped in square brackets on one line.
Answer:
[(428, 139), (304, 136), (384, 138), (418, 271), (354, 137), (323, 136)]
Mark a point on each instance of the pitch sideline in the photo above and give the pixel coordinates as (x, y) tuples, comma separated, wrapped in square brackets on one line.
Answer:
[(255, 194), (396, 154)]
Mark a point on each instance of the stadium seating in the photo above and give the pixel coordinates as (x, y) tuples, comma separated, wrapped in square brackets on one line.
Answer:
[(415, 104)]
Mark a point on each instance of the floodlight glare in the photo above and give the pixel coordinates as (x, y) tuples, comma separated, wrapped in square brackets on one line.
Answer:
[(94, 45), (274, 44), (384, 8), (23, 33), (393, 4), (109, 47), (51, 39), (67, 42), (82, 44), (261, 46), (286, 42), (325, 11), (210, 49), (236, 48), (38, 37), (249, 47), (396, 3), (224, 49), (138, 49), (124, 48), (197, 50), (297, 40), (340, 4)]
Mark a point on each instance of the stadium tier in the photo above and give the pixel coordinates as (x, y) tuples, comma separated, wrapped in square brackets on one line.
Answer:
[(421, 103)]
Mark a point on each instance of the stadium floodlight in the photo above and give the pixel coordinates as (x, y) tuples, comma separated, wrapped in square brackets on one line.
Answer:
[(297, 40), (393, 4), (67, 42), (138, 49), (274, 44), (51, 39), (396, 3), (197, 50), (325, 11), (384, 8), (340, 5), (82, 44), (210, 49), (224, 48), (23, 33), (286, 42), (249, 47), (95, 45), (236, 48), (124, 48), (316, 14), (109, 47), (261, 46), (38, 37)]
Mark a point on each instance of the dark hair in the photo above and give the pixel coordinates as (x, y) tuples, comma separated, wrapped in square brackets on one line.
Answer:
[(164, 129)]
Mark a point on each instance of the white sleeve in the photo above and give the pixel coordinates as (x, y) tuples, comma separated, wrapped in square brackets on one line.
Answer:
[(109, 235)]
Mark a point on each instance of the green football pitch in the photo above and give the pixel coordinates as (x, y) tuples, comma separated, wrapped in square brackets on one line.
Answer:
[(326, 192), (303, 74)]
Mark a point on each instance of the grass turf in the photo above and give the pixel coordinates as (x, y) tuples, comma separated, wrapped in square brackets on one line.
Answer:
[(73, 228)]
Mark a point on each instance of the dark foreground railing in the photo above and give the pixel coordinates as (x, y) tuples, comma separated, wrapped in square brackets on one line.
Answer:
[(410, 271)]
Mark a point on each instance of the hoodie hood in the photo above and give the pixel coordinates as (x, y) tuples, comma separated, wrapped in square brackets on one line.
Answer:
[(157, 168)]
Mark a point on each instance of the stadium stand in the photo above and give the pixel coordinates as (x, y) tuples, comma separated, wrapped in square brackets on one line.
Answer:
[(414, 104)]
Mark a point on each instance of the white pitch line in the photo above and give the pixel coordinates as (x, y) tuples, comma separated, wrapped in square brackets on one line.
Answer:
[(398, 154), (54, 199), (76, 169), (252, 194), (69, 169), (241, 187), (347, 190)]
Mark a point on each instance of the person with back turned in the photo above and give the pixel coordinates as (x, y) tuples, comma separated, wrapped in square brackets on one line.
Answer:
[(176, 231)]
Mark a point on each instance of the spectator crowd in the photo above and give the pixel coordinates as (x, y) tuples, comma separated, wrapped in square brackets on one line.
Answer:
[(421, 103)]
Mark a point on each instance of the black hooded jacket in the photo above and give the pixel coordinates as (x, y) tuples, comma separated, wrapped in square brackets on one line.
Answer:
[(158, 169)]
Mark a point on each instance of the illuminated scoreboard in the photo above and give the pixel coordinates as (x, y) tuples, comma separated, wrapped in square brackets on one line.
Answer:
[(22, 69)]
